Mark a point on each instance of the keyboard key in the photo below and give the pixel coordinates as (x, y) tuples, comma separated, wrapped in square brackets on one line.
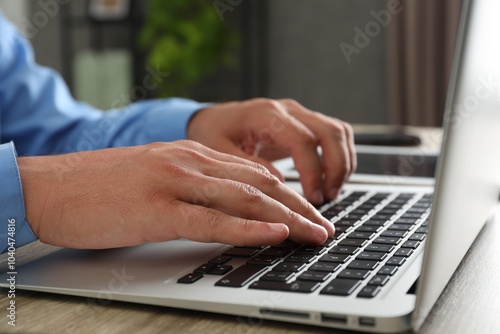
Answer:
[(422, 229), (297, 286), (289, 266), (379, 280), (276, 251), (354, 273), (381, 217), (400, 227), (340, 287), (326, 266), (411, 215), (396, 261), (363, 264), (352, 242), (417, 236), (344, 250), (360, 235), (374, 256), (220, 259), (330, 241), (369, 291), (302, 258), (392, 233), (387, 270), (205, 268), (372, 222), (289, 244), (241, 275), (405, 252), (221, 269), (410, 244), (316, 250), (337, 258), (384, 248), (316, 276), (189, 278), (277, 276), (387, 240), (405, 221), (241, 252), (264, 259), (366, 228)]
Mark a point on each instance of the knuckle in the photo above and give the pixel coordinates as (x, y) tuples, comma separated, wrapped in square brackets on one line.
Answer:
[(250, 194)]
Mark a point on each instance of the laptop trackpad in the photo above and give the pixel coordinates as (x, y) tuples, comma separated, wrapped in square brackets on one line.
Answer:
[(116, 269)]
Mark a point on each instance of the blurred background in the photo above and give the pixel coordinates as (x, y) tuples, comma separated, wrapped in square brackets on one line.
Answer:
[(364, 61)]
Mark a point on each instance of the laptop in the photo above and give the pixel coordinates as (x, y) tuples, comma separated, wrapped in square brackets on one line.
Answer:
[(395, 249)]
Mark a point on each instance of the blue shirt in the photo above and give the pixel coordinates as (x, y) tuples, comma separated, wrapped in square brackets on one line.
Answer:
[(38, 116)]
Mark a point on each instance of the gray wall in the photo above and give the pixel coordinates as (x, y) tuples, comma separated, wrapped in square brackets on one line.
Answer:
[(307, 63), (305, 60)]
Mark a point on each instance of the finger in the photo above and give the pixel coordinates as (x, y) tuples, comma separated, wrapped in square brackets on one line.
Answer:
[(248, 202), (272, 187), (352, 147), (209, 225)]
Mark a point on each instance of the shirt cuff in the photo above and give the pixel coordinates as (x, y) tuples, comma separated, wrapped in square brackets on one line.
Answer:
[(13, 225)]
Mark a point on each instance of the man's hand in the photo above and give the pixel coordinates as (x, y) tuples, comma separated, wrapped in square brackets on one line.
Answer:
[(164, 191), (263, 130)]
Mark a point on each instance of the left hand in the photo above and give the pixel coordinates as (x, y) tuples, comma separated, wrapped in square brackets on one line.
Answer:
[(264, 130)]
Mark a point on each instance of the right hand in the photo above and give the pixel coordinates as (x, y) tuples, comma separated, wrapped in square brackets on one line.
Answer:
[(162, 191)]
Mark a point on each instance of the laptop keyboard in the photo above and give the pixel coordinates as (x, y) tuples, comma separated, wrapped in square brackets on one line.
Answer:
[(375, 235)]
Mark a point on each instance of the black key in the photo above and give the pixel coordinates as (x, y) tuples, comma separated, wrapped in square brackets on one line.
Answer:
[(381, 217), (289, 266), (276, 251), (387, 240), (400, 227), (387, 212), (354, 273), (363, 264), (352, 242), (220, 259), (345, 223), (374, 256), (379, 280), (264, 259), (417, 236), (297, 286), (410, 244), (379, 248), (396, 234), (355, 216), (189, 278), (365, 228), (369, 291), (360, 235), (329, 242), (205, 268), (302, 258), (326, 266), (310, 249), (221, 269), (372, 222), (396, 261), (405, 252), (241, 276), (344, 250), (277, 276), (418, 210), (332, 257), (340, 287), (405, 221), (425, 223), (387, 270), (315, 276), (411, 215), (241, 252), (422, 229), (339, 230), (288, 244)]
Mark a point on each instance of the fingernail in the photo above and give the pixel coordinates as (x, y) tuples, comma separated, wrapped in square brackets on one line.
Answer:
[(318, 196), (330, 228), (320, 232), (333, 193), (277, 228)]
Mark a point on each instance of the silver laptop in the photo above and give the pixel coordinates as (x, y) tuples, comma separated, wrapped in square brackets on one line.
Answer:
[(395, 249)]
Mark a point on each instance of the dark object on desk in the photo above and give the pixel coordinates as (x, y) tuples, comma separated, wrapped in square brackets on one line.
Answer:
[(387, 139)]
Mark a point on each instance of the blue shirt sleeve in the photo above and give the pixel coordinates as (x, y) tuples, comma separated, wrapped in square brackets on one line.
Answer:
[(39, 115), (15, 229)]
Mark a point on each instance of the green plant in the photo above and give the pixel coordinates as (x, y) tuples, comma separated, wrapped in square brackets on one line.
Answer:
[(187, 39)]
